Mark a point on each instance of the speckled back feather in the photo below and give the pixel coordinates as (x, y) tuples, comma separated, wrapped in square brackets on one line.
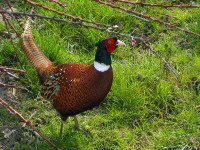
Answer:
[(80, 86)]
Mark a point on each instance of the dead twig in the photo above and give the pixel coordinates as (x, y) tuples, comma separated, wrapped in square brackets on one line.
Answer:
[(9, 33), (7, 28), (14, 112), (65, 14), (97, 28), (70, 22), (9, 5), (164, 61), (159, 5), (59, 3), (33, 114), (12, 86), (147, 17), (197, 107), (5, 69), (11, 72), (12, 75), (11, 26)]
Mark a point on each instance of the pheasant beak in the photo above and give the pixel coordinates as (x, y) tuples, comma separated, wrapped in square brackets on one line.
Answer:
[(120, 43)]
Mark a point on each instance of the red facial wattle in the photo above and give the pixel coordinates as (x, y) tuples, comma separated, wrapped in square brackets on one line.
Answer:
[(110, 44)]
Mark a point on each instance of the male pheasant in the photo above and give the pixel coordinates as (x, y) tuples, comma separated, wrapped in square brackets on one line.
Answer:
[(72, 88)]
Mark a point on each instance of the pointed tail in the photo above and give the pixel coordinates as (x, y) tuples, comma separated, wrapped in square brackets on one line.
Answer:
[(35, 56)]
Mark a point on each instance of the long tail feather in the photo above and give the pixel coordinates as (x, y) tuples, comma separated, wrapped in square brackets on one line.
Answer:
[(38, 60)]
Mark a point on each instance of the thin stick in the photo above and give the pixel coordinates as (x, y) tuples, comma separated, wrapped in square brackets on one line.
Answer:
[(12, 75), (147, 17), (12, 86), (69, 22), (10, 70), (9, 5), (13, 111), (11, 26), (11, 39), (65, 14), (88, 26), (59, 3), (159, 5), (33, 114), (166, 63), (5, 69)]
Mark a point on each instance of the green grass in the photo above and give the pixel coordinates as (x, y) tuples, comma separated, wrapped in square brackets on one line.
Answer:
[(147, 107)]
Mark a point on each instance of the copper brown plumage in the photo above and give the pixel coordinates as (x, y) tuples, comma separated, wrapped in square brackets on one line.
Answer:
[(73, 88)]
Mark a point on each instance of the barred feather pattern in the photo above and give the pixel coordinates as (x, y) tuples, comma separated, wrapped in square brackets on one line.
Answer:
[(35, 56), (50, 87)]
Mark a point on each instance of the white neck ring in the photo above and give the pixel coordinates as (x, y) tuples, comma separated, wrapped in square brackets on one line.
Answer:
[(101, 66)]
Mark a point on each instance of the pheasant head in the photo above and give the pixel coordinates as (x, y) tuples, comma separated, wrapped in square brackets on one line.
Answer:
[(104, 49)]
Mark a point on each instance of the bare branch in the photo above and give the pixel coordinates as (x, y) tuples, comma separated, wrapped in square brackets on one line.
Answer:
[(12, 75), (5, 69), (9, 33), (97, 28), (9, 5), (33, 114), (59, 3), (165, 62), (147, 17), (65, 14), (69, 22), (11, 26), (12, 86), (13, 111), (159, 5)]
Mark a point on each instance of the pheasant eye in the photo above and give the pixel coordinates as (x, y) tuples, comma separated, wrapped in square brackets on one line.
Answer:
[(109, 42)]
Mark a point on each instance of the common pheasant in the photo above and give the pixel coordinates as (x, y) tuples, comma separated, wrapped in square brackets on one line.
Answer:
[(72, 88)]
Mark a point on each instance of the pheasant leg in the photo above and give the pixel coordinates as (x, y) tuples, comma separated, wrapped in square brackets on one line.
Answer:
[(61, 128), (76, 123)]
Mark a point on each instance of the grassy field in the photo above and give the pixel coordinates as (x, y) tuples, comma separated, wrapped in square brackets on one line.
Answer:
[(147, 107)]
